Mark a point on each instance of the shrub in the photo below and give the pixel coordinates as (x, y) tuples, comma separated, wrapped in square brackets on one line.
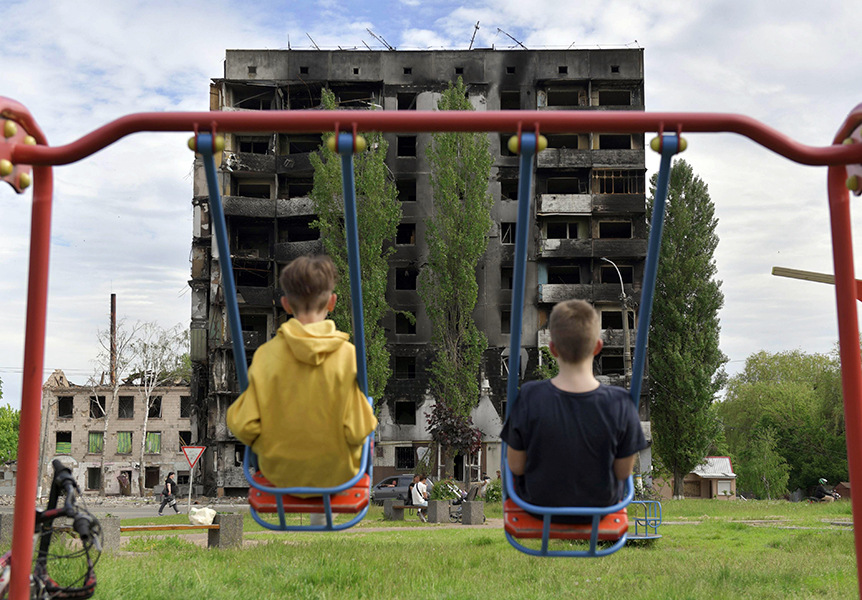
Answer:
[(445, 490), (494, 491)]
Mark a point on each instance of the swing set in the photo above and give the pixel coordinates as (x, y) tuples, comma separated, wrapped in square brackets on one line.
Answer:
[(26, 158)]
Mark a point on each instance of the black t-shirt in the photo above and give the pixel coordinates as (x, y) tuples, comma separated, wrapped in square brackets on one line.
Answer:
[(172, 490), (571, 441)]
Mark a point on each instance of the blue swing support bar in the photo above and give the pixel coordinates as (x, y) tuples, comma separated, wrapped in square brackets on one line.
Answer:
[(345, 147), (669, 145)]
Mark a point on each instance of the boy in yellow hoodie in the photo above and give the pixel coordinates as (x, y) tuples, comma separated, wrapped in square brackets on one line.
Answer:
[(303, 413)]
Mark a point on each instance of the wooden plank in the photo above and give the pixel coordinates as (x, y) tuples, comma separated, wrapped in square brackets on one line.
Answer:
[(165, 527), (805, 275)]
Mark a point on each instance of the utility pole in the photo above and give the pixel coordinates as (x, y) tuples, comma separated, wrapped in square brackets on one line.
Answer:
[(627, 346)]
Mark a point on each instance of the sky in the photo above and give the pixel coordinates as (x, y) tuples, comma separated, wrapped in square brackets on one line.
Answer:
[(122, 218)]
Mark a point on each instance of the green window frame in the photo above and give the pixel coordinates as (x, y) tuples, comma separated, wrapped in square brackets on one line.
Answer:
[(96, 442), (153, 443), (124, 442)]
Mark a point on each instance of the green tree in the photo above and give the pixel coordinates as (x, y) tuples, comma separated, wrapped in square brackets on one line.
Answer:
[(457, 237), (762, 469), (10, 420), (684, 357), (378, 215), (797, 397)]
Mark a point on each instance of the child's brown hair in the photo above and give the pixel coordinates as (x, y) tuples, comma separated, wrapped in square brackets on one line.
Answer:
[(308, 281), (575, 329)]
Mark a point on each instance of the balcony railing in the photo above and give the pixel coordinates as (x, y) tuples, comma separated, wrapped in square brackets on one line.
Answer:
[(565, 204)]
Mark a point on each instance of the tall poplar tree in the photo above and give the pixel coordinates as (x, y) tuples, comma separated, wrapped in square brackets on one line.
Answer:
[(685, 362), (457, 237), (378, 215)]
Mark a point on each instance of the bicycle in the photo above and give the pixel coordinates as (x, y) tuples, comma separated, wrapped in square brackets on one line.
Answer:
[(76, 538)]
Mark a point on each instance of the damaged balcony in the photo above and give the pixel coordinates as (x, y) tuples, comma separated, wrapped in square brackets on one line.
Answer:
[(552, 293), (618, 203), (294, 153), (564, 204), (557, 248), (250, 238), (296, 237), (254, 283)]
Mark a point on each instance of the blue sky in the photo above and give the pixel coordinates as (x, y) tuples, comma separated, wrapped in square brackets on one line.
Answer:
[(122, 218)]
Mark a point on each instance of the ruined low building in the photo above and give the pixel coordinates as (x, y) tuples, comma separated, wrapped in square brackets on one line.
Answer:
[(589, 205), (73, 430)]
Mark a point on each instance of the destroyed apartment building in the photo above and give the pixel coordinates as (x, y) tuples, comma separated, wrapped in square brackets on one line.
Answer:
[(587, 240)]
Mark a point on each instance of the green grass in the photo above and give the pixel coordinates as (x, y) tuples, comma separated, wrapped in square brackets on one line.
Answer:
[(789, 551)]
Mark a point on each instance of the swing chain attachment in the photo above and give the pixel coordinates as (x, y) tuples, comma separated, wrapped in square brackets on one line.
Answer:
[(514, 143), (18, 176), (217, 142), (347, 143), (854, 172), (657, 143)]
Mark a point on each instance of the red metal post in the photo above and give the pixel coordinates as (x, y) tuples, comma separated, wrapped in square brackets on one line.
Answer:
[(31, 397)]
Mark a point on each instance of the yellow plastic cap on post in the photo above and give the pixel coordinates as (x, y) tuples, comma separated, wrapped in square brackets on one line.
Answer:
[(655, 144), (852, 183), (29, 140), (193, 144), (6, 168), (360, 144), (10, 128), (542, 143), (330, 143), (24, 180), (218, 145), (514, 145)]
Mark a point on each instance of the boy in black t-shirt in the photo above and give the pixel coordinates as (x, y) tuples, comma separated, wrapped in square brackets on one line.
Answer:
[(572, 441)]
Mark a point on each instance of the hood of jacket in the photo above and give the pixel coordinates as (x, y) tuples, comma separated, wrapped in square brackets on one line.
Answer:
[(312, 343)]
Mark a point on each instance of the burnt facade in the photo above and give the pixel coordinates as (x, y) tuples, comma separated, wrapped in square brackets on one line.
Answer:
[(589, 205)]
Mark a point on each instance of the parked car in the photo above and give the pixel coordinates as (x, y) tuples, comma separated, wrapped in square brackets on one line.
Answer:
[(383, 490)]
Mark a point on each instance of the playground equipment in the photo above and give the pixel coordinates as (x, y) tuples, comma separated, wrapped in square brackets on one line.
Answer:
[(18, 155), (646, 526)]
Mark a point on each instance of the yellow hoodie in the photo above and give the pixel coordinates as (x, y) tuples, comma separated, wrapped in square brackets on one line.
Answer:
[(303, 413)]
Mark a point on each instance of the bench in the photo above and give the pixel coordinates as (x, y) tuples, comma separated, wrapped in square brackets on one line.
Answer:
[(393, 510), (225, 531)]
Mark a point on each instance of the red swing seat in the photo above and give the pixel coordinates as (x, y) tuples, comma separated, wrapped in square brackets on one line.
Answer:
[(351, 500), (520, 524)]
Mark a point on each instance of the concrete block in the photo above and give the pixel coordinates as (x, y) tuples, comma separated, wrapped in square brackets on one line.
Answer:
[(438, 511), (473, 513), (392, 515), (6, 522), (110, 533), (229, 533)]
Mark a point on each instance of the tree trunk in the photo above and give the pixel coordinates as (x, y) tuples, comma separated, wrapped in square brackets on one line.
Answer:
[(678, 488), (141, 468)]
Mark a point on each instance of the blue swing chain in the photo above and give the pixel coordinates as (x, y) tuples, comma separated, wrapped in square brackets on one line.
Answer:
[(205, 146), (668, 146)]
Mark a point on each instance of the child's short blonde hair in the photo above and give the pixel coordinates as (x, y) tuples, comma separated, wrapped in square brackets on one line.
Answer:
[(308, 281), (575, 329)]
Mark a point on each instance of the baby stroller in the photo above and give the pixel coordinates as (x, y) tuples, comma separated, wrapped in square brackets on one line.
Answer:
[(455, 506)]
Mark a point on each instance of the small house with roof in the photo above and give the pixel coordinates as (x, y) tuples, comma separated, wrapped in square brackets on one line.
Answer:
[(713, 478)]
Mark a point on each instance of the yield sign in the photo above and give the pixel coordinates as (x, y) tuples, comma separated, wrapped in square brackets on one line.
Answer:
[(193, 454)]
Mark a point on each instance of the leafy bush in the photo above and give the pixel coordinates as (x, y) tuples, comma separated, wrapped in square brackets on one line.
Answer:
[(494, 491), (445, 490)]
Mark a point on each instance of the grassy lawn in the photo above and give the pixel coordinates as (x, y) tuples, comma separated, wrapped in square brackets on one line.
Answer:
[(711, 549)]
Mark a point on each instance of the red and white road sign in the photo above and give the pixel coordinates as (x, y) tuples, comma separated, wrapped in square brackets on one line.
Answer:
[(193, 454)]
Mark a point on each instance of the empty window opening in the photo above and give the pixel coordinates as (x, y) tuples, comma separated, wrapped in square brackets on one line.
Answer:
[(253, 99), (505, 321), (151, 477), (63, 440), (615, 68), (124, 442), (155, 408), (408, 70), (509, 189), (64, 407), (407, 145), (94, 474), (566, 96), (405, 413), (510, 100), (297, 229), (126, 407), (253, 144), (510, 70), (571, 142), (613, 319), (185, 407), (615, 229), (355, 98), (95, 442), (566, 185), (506, 276), (153, 444), (459, 70), (405, 235), (407, 101), (185, 438), (182, 477), (405, 279), (406, 190), (507, 232), (405, 367), (356, 70), (97, 407), (618, 182), (302, 97), (294, 187), (298, 143), (303, 70), (612, 141), (562, 70), (504, 144), (609, 274), (251, 274), (615, 98), (253, 190), (561, 231), (405, 458), (250, 238), (612, 365), (567, 275), (405, 323)]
